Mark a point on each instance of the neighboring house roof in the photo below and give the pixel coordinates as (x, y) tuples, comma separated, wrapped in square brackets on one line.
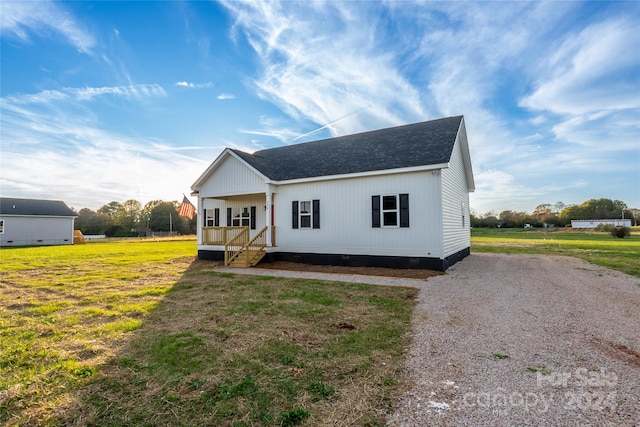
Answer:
[(34, 207), (419, 144)]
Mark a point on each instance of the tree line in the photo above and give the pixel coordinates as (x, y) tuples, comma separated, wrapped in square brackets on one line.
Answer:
[(557, 214), (130, 219)]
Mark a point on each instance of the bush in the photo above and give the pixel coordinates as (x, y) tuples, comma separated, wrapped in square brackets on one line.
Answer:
[(608, 228), (111, 231), (621, 232)]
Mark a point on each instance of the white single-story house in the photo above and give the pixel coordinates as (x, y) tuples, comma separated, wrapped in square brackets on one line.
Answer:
[(594, 223), (33, 222), (395, 197)]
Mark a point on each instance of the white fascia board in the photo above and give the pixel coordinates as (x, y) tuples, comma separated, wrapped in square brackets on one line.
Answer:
[(466, 156), (195, 187), (234, 194), (437, 166)]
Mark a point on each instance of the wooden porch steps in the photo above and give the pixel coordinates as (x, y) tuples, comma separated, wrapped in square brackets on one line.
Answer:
[(248, 258)]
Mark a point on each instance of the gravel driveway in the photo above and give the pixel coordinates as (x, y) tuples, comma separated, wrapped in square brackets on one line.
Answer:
[(524, 340)]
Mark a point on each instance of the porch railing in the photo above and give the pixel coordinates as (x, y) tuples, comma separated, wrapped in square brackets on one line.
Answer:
[(248, 254), (219, 235), (233, 247)]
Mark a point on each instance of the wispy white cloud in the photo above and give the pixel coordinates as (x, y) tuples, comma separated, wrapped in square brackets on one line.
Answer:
[(194, 85), (54, 146), (140, 91), (225, 96), (501, 189), (19, 18), (323, 61), (601, 52), (132, 92), (586, 111), (273, 128)]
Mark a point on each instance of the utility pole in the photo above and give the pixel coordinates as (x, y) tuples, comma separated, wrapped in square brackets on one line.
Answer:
[(170, 225)]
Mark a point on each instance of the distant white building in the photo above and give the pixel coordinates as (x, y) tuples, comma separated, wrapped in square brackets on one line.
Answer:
[(593, 223), (32, 222)]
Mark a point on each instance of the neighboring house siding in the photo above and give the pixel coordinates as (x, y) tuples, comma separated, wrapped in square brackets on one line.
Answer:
[(232, 178), (455, 205), (346, 212), (593, 223), (36, 231)]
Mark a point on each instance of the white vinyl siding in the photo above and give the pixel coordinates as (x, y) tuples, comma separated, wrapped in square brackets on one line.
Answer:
[(36, 231), (346, 216), (232, 178), (455, 205)]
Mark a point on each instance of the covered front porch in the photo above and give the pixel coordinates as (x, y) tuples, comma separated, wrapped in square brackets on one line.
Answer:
[(220, 236), (237, 228)]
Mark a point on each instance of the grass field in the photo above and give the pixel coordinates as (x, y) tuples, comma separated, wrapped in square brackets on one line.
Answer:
[(596, 247), (138, 333), (118, 334)]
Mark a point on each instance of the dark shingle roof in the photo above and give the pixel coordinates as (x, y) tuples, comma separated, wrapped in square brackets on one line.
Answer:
[(14, 206), (419, 144)]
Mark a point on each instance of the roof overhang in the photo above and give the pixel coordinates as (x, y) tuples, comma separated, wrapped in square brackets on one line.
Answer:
[(423, 168), (466, 156)]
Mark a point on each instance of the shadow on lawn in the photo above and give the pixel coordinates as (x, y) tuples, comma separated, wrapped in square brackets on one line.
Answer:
[(221, 349), (133, 387)]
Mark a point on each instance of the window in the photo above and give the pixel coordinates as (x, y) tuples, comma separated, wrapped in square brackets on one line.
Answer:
[(1, 226), (390, 211), (212, 217), (305, 214), (242, 219), (246, 218)]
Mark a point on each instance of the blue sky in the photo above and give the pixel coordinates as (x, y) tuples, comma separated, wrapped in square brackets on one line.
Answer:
[(105, 101)]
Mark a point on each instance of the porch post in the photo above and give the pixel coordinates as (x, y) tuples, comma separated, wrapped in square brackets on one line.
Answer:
[(267, 212), (199, 221)]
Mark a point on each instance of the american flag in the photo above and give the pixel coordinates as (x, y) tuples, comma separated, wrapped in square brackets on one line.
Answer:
[(186, 208)]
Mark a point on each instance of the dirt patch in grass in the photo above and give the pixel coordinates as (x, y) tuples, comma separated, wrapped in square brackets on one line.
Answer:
[(405, 273)]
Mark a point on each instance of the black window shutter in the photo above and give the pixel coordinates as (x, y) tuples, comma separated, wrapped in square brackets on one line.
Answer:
[(375, 211), (316, 214), (294, 214), (216, 217), (228, 217), (404, 210), (204, 218), (253, 217)]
